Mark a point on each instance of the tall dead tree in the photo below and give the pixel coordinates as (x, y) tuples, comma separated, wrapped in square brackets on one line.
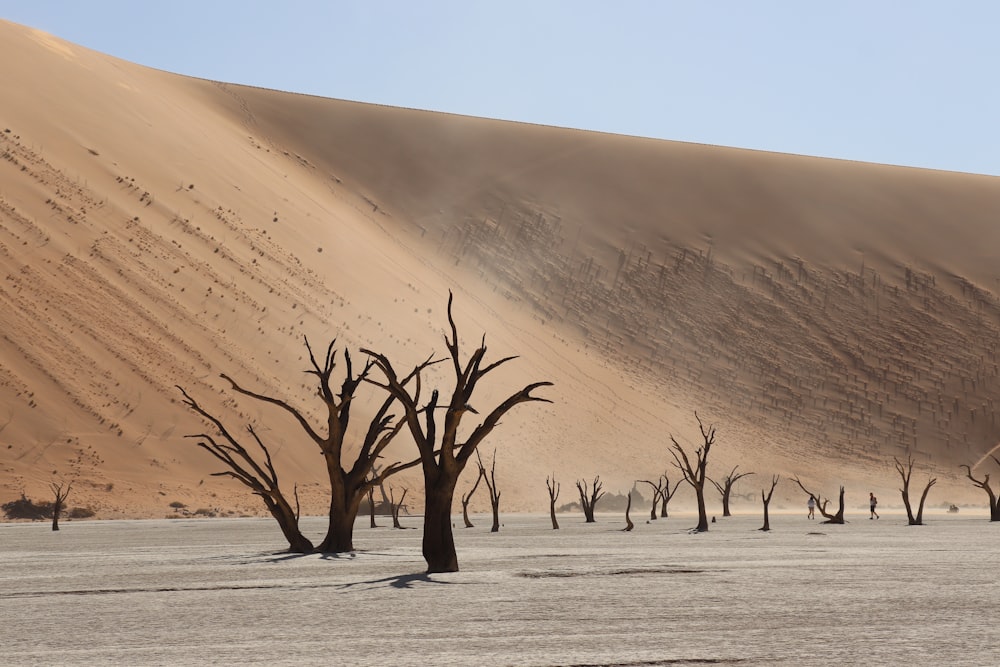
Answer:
[(667, 495), (695, 474), (984, 484), (767, 501), (468, 496), (260, 477), (726, 487), (589, 497), (554, 488), (905, 472), (60, 491), (350, 481), (657, 493), (821, 504), (491, 484), (628, 508), (444, 455)]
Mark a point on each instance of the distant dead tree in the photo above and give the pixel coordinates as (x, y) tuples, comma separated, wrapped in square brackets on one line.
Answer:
[(371, 506), (726, 487), (984, 484), (694, 474), (444, 456), (767, 501), (468, 496), (657, 494), (60, 491), (491, 484), (667, 495), (554, 488), (394, 506), (589, 497), (821, 504), (350, 481), (905, 471), (628, 521)]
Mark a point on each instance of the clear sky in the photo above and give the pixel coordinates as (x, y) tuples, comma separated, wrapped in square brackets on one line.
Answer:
[(907, 82)]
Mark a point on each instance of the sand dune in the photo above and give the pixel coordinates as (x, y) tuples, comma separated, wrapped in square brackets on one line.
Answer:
[(157, 230)]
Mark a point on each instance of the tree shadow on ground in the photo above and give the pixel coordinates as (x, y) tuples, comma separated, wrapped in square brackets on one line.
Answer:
[(402, 581)]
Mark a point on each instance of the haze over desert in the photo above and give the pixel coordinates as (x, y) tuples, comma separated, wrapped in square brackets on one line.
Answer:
[(158, 230)]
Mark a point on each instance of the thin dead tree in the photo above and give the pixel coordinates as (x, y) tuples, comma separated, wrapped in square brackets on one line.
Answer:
[(491, 484), (554, 488), (628, 521), (695, 474), (984, 484), (657, 494), (767, 501), (396, 506), (444, 455), (905, 472), (726, 487), (667, 495), (589, 497), (468, 496), (60, 491), (371, 507), (260, 477), (821, 504)]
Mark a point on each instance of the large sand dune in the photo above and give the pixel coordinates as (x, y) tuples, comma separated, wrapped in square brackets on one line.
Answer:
[(158, 230)]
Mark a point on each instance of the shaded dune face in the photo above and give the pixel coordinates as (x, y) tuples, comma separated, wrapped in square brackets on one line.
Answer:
[(157, 230)]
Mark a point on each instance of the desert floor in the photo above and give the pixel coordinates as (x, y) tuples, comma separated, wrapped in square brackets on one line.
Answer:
[(218, 592)]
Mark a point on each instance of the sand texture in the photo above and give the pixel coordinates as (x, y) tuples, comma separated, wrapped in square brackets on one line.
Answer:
[(158, 230)]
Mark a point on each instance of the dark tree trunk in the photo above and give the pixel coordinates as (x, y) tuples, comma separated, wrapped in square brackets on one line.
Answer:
[(371, 506), (56, 511), (396, 507), (467, 497), (552, 514), (496, 517), (702, 526), (554, 488), (821, 504), (289, 524), (905, 471), (766, 499), (628, 507), (439, 541)]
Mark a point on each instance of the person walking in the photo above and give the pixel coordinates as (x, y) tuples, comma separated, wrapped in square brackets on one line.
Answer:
[(811, 504), (873, 502)]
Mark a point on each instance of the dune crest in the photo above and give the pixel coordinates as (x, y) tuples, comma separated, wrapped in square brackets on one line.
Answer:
[(158, 230)]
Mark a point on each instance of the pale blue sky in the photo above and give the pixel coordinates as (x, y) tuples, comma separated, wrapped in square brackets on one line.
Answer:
[(907, 82)]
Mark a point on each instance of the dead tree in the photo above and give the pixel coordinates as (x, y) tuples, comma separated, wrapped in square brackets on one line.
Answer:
[(667, 495), (767, 501), (821, 504), (491, 484), (468, 496), (628, 521), (395, 507), (657, 494), (350, 481), (695, 474), (443, 456), (589, 497), (726, 487), (60, 491), (905, 472), (554, 488), (371, 506), (259, 477), (984, 484)]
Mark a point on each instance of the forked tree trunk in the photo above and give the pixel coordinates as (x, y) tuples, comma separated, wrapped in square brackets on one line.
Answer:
[(984, 484), (905, 472), (288, 522), (821, 504), (767, 501), (395, 508), (467, 497), (60, 493), (554, 488)]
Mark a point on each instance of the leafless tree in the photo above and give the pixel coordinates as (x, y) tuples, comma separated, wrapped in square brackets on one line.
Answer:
[(589, 497), (905, 471), (657, 494), (491, 484), (468, 496), (260, 477), (396, 506), (667, 495), (443, 456), (984, 484), (60, 491), (554, 488), (694, 474), (350, 481), (726, 487), (767, 501), (821, 504), (628, 507), (371, 506)]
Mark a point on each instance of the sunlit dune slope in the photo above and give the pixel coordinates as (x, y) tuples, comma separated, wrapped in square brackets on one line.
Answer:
[(158, 230)]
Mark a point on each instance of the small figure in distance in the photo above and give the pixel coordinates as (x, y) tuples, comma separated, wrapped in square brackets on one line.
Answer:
[(873, 502), (811, 504)]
